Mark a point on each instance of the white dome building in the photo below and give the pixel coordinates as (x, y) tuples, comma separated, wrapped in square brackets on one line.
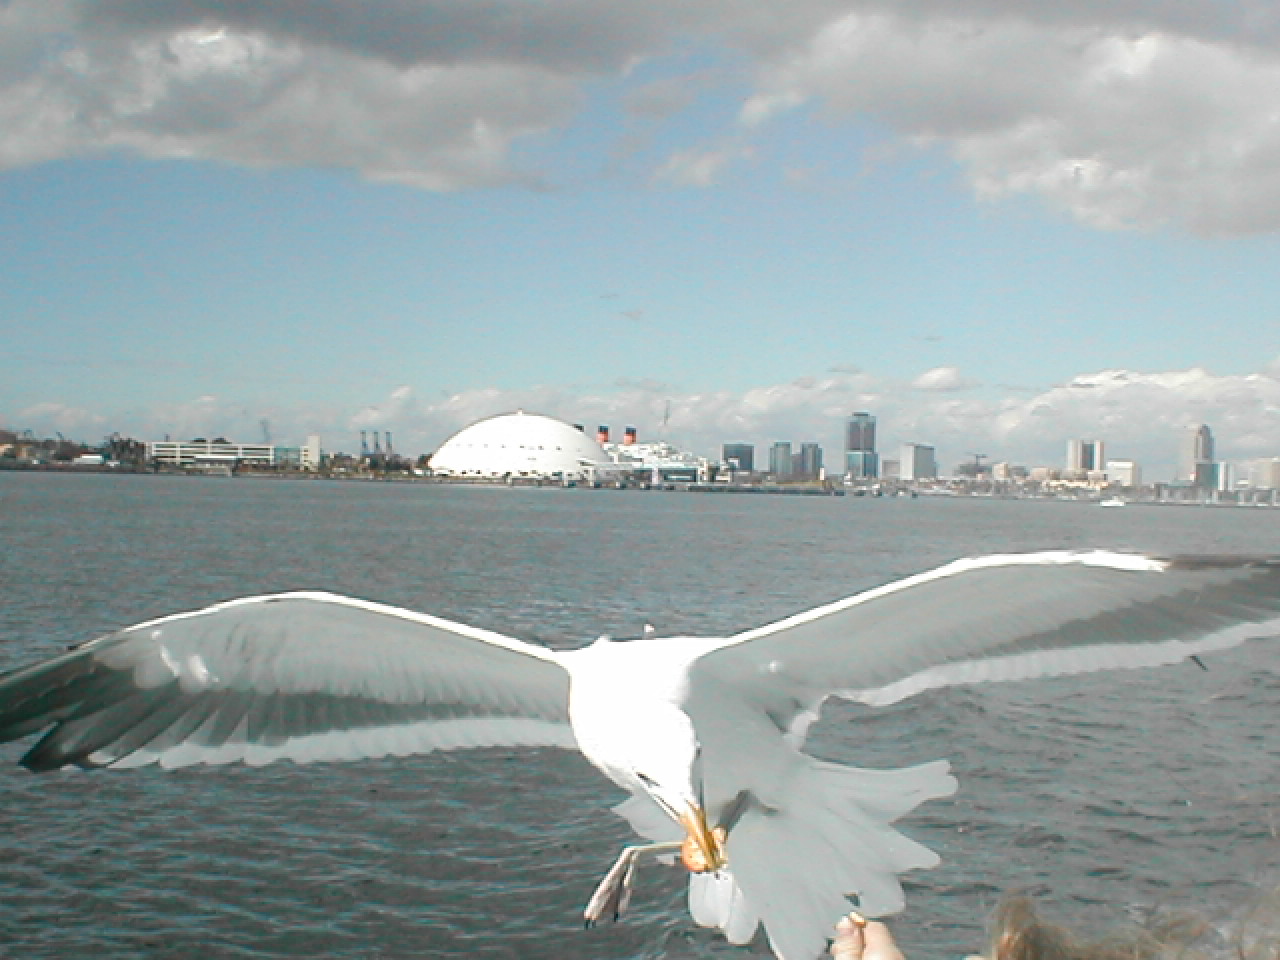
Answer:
[(516, 445)]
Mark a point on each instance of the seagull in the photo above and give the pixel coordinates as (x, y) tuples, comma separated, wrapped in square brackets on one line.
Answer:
[(704, 733)]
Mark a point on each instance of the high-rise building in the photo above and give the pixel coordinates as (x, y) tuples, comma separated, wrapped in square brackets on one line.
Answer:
[(309, 455), (860, 457), (1126, 473), (1265, 474), (1084, 456), (1197, 449), (1209, 475), (809, 460), (740, 456), (918, 462), (780, 459)]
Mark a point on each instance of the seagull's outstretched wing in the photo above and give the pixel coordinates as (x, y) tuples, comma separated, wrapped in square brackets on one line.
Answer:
[(815, 831), (302, 676), (1002, 617)]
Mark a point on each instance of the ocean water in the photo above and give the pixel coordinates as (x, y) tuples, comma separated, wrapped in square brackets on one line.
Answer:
[(1106, 796)]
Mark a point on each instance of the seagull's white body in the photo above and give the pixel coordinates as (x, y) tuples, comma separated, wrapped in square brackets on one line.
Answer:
[(703, 732), (626, 705)]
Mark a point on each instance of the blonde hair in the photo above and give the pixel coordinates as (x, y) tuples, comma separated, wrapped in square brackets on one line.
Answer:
[(1017, 933)]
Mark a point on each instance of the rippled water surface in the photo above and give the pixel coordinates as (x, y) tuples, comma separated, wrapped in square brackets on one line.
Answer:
[(1106, 795)]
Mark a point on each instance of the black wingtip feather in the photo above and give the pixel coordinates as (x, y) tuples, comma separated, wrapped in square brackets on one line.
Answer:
[(56, 694), (35, 697)]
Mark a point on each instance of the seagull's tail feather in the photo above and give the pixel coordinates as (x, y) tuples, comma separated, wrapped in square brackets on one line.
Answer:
[(715, 900), (792, 867)]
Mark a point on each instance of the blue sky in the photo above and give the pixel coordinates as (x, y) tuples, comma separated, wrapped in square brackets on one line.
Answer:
[(993, 231)]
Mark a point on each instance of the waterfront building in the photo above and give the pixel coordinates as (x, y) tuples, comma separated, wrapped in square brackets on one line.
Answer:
[(740, 456), (1126, 473), (862, 464), (657, 461), (309, 454), (1197, 450), (918, 462), (289, 457), (1210, 475), (1265, 474), (220, 452), (860, 458), (808, 462), (1084, 456), (519, 445), (780, 464)]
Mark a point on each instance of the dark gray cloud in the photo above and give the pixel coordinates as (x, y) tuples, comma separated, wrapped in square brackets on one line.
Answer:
[(568, 35), (188, 82)]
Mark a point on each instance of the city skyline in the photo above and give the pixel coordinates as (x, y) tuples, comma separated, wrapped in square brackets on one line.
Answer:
[(717, 222), (1085, 460)]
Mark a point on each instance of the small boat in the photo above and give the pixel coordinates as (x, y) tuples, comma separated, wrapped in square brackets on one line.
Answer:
[(1111, 502)]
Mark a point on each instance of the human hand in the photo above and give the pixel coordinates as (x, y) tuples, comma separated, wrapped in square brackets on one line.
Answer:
[(861, 939)]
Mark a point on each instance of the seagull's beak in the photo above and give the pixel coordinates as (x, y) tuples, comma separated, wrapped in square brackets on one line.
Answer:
[(703, 848)]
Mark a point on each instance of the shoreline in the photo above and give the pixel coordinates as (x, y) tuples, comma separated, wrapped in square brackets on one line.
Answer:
[(767, 490)]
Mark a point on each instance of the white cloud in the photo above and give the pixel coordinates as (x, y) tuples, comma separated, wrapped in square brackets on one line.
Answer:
[(1141, 415), (399, 407), (697, 167), (50, 417), (1135, 113), (1121, 123), (206, 416), (1137, 414), (943, 379)]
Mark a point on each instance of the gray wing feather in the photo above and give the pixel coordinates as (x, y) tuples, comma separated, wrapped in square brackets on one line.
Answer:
[(1001, 618), (301, 676)]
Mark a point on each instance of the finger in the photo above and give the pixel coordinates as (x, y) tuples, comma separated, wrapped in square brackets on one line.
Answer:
[(849, 942), (878, 942)]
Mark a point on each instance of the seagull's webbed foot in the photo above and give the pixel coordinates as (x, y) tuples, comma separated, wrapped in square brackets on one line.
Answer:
[(614, 891)]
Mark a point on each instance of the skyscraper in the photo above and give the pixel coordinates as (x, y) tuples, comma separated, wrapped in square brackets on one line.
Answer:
[(860, 458), (918, 462), (780, 459), (1197, 450), (809, 460), (1084, 455), (741, 454)]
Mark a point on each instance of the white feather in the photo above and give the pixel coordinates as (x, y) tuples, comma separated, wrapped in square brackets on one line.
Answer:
[(676, 721)]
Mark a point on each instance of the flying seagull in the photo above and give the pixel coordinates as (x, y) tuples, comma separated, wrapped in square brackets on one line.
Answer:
[(705, 733)]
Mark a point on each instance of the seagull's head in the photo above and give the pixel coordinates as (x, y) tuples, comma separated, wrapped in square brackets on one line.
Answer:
[(666, 762), (625, 705)]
